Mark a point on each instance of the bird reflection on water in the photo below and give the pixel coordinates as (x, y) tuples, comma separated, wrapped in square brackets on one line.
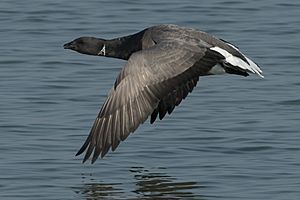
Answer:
[(100, 191), (157, 185), (148, 185)]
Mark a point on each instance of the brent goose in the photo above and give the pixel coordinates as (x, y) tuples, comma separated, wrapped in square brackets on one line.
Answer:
[(164, 65)]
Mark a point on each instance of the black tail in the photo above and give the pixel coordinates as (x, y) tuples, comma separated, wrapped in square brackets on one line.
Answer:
[(230, 69)]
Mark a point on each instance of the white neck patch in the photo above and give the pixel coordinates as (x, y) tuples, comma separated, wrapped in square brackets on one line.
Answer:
[(102, 52)]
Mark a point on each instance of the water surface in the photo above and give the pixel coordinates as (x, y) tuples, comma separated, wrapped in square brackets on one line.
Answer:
[(232, 138)]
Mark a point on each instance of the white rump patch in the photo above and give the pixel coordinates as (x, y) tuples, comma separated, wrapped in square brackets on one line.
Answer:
[(235, 61)]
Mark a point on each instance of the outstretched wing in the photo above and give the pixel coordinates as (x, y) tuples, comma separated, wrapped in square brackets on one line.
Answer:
[(164, 73)]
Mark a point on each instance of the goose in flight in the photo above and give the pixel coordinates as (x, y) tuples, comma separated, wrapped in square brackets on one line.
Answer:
[(164, 64)]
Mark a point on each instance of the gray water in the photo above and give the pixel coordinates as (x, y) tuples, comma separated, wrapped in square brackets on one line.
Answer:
[(232, 138)]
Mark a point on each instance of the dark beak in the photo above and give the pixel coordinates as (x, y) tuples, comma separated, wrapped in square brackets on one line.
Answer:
[(69, 45)]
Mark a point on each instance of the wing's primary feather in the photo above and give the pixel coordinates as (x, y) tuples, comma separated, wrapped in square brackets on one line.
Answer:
[(153, 81)]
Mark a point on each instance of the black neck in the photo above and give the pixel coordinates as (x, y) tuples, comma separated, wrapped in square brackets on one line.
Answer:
[(123, 47)]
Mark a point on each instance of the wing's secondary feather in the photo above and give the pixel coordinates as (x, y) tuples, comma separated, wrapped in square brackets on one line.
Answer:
[(163, 74)]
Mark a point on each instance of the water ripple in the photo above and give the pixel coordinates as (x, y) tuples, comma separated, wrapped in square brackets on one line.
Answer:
[(232, 138)]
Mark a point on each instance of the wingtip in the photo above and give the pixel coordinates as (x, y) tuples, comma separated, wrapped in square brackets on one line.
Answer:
[(152, 121), (86, 158), (103, 153), (78, 153), (93, 160)]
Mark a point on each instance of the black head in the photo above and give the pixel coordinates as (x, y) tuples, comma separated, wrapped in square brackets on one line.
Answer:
[(87, 45)]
